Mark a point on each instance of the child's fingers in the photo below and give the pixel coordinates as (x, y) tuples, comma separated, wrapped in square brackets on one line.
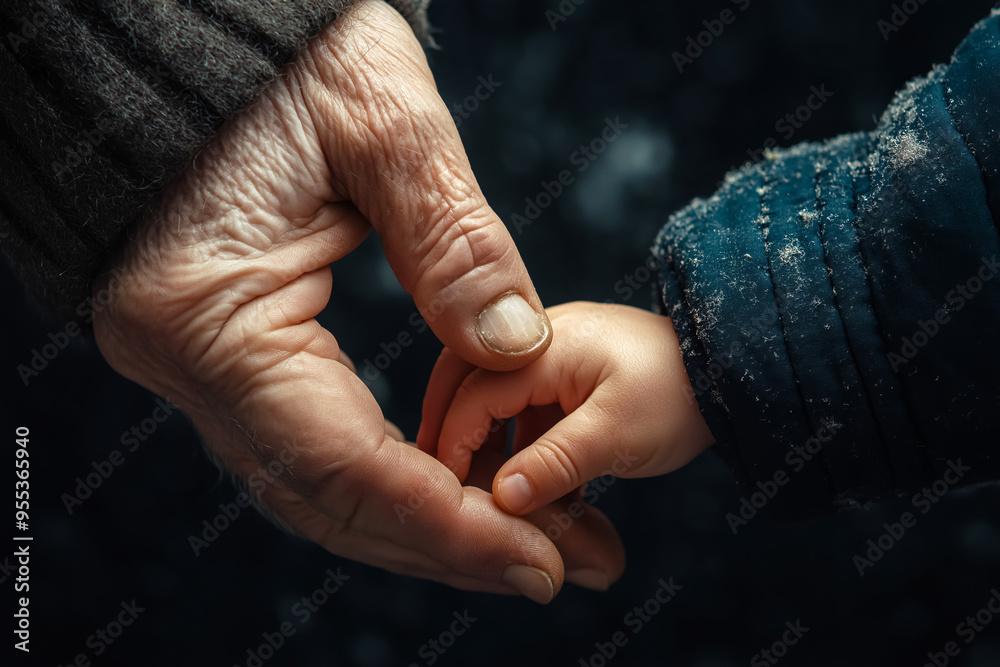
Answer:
[(487, 395), (535, 422), (588, 443), (449, 372)]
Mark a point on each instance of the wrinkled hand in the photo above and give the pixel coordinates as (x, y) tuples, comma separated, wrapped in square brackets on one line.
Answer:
[(220, 286)]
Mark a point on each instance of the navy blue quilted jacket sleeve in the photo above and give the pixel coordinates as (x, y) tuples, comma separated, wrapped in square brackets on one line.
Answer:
[(838, 304)]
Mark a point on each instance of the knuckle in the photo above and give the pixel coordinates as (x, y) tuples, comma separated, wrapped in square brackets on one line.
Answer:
[(557, 463), (460, 246)]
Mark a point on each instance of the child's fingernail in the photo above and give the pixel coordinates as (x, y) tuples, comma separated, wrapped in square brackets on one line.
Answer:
[(593, 579), (530, 582), (515, 492), (510, 326)]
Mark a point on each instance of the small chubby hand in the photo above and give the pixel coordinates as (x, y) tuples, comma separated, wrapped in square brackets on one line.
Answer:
[(611, 395)]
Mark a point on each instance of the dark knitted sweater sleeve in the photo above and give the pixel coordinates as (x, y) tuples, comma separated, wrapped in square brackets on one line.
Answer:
[(101, 103), (838, 304)]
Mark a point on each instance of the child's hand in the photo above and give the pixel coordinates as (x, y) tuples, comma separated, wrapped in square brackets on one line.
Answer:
[(624, 406)]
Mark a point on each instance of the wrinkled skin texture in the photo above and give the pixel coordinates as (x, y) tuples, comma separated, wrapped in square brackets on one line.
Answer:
[(216, 295)]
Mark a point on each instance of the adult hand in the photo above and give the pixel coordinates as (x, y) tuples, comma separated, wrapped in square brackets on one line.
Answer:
[(218, 291)]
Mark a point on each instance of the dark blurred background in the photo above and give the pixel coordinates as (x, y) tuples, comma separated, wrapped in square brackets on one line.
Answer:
[(129, 540)]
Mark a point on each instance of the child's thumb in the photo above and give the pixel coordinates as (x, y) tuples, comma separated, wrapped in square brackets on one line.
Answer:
[(585, 445)]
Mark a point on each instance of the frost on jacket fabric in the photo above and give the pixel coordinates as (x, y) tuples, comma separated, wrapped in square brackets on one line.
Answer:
[(838, 305), (102, 103)]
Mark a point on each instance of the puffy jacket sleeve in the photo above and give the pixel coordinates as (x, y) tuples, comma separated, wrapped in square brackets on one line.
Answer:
[(101, 103), (838, 304)]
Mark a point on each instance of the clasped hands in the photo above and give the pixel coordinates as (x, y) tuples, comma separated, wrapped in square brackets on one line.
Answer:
[(222, 281)]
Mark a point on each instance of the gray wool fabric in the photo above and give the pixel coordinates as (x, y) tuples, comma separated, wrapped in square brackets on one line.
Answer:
[(102, 103)]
